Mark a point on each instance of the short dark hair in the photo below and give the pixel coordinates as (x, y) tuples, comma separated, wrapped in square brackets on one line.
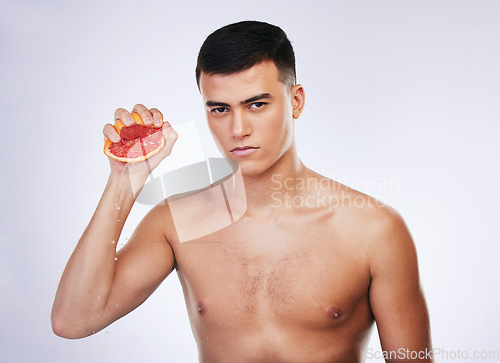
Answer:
[(239, 46)]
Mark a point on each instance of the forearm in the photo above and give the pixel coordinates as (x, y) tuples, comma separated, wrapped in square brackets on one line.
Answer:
[(88, 277)]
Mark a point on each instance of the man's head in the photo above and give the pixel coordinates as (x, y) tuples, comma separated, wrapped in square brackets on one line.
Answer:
[(238, 47), (246, 76)]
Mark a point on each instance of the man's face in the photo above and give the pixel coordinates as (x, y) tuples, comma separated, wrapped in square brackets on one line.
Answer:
[(250, 115)]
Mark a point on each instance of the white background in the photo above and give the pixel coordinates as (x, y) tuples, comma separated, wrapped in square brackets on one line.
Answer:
[(399, 91)]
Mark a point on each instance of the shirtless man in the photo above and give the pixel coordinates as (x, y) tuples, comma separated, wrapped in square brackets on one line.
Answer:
[(286, 282)]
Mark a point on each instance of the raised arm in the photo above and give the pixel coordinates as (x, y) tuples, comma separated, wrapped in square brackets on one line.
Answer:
[(396, 297), (99, 285)]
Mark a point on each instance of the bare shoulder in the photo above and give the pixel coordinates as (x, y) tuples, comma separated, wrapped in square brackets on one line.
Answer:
[(375, 224), (379, 230), (377, 220), (381, 224)]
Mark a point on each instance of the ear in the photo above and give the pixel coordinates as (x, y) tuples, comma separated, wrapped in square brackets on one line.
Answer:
[(298, 100)]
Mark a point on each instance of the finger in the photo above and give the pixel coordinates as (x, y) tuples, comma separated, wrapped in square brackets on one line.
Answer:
[(146, 116), (110, 132), (157, 117), (125, 116)]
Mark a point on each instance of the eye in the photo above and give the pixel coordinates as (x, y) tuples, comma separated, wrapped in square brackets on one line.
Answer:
[(257, 105), (219, 110)]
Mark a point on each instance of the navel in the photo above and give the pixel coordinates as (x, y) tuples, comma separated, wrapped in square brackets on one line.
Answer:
[(201, 307), (334, 312)]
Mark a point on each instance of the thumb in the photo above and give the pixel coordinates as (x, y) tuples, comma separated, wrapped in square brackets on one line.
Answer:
[(170, 136)]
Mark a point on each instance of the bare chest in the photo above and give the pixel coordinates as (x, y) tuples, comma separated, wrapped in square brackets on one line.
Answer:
[(281, 274)]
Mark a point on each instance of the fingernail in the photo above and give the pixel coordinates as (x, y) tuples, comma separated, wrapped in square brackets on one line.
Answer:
[(131, 121)]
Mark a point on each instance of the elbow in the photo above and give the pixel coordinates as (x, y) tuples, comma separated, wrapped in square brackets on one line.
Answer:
[(63, 327)]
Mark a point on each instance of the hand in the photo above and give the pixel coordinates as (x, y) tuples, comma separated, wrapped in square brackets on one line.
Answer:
[(153, 116)]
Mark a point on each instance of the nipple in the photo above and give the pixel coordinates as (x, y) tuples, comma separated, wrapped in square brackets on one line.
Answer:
[(334, 312), (201, 307)]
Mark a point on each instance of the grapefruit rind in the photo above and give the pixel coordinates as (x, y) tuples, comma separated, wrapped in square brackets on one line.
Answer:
[(118, 127)]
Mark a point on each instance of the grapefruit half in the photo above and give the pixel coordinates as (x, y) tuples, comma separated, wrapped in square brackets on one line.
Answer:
[(138, 142)]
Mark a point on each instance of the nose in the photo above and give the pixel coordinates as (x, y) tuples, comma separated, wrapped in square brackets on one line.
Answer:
[(241, 126)]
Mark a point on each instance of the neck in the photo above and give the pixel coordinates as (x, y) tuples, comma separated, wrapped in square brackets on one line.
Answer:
[(264, 191)]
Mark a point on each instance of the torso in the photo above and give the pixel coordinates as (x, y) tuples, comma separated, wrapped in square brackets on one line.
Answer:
[(292, 288)]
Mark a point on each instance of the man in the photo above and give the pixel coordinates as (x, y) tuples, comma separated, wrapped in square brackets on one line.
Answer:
[(299, 277)]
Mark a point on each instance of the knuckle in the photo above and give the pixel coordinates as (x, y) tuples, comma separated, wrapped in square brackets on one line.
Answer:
[(120, 111), (155, 111), (105, 129), (139, 108)]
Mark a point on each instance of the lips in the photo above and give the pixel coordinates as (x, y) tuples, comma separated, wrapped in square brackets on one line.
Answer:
[(243, 150)]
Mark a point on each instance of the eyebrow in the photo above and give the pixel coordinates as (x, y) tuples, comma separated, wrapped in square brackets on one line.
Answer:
[(248, 100)]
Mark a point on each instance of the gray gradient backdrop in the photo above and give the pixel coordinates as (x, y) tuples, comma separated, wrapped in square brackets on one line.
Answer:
[(402, 102)]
